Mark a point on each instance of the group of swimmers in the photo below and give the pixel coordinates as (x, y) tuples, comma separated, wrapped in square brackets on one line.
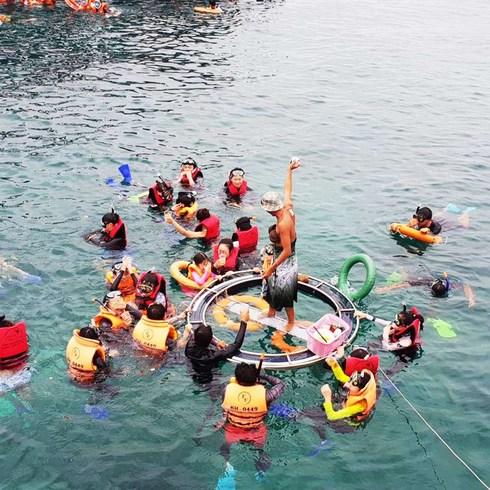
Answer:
[(138, 305)]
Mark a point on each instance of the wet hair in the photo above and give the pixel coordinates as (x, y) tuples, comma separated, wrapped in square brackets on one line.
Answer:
[(89, 333), (228, 242), (243, 224), (203, 335), (424, 213), (156, 311), (202, 214), (246, 374), (360, 353), (439, 288), (110, 218), (199, 258), (212, 3), (186, 198), (5, 323)]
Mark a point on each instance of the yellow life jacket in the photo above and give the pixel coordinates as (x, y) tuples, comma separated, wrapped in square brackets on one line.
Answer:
[(80, 352), (152, 334), (194, 268), (366, 395), (188, 211), (116, 322), (245, 406)]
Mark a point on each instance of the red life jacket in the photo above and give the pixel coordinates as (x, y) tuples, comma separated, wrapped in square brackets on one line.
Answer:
[(155, 196), (112, 234), (230, 264), (233, 191), (247, 240), (212, 225), (13, 346), (355, 364), (401, 331), (196, 173), (144, 301)]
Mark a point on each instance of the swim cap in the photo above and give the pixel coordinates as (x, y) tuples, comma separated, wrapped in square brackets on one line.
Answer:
[(203, 336), (271, 202)]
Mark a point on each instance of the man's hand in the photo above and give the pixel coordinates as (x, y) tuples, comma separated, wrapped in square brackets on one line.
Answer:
[(266, 274), (327, 393), (332, 362), (360, 314), (245, 314), (168, 218), (424, 230), (294, 164)]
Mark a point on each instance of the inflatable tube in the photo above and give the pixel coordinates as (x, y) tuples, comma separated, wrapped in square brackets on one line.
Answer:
[(207, 10), (368, 282), (221, 317), (415, 234), (243, 280), (176, 272)]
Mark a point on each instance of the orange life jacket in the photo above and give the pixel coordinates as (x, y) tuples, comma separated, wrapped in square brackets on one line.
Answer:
[(245, 406), (194, 268), (116, 322), (80, 352), (126, 284), (153, 334), (14, 348), (366, 395)]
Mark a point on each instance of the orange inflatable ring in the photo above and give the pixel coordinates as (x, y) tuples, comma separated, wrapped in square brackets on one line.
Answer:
[(221, 317), (277, 340), (415, 234)]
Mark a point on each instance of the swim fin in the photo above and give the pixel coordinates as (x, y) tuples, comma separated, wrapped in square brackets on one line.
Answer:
[(126, 173), (444, 329), (228, 480), (323, 446)]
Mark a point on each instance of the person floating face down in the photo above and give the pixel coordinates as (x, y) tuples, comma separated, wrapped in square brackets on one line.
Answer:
[(205, 354), (189, 173), (422, 221), (207, 229), (245, 404)]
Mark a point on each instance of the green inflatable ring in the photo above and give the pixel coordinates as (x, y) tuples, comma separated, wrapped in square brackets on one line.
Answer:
[(368, 282)]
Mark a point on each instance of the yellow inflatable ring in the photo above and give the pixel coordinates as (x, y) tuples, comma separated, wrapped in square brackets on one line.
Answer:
[(221, 317), (415, 234), (207, 10), (176, 272)]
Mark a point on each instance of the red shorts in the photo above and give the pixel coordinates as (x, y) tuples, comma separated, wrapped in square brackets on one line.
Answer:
[(237, 434)]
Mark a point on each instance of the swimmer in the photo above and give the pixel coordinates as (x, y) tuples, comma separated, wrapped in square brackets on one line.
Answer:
[(236, 186), (160, 195), (199, 269), (403, 334), (361, 394), (189, 173), (113, 313), (422, 221), (123, 278), (208, 227), (14, 347), (439, 286), (225, 256), (205, 354), (245, 404), (246, 236), (152, 288), (185, 205), (113, 233), (360, 358)]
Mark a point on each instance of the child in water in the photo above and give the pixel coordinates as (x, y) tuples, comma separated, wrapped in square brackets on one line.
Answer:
[(199, 269)]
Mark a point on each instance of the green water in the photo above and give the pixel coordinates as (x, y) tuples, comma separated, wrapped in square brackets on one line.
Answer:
[(388, 106)]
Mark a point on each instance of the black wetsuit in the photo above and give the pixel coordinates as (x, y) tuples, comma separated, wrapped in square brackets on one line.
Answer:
[(204, 360)]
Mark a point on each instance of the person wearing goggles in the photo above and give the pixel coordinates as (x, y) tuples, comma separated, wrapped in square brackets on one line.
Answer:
[(112, 236), (123, 279), (361, 395), (422, 221), (236, 186), (189, 173)]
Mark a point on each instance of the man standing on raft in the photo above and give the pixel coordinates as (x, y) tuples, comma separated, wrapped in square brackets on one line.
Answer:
[(282, 275)]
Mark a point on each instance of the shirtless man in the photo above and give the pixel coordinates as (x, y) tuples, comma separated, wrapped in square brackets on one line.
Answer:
[(282, 275)]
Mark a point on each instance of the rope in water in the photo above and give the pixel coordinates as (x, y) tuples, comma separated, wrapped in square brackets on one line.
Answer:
[(435, 432)]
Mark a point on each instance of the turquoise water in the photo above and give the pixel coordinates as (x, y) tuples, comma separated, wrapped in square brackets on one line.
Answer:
[(388, 106)]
